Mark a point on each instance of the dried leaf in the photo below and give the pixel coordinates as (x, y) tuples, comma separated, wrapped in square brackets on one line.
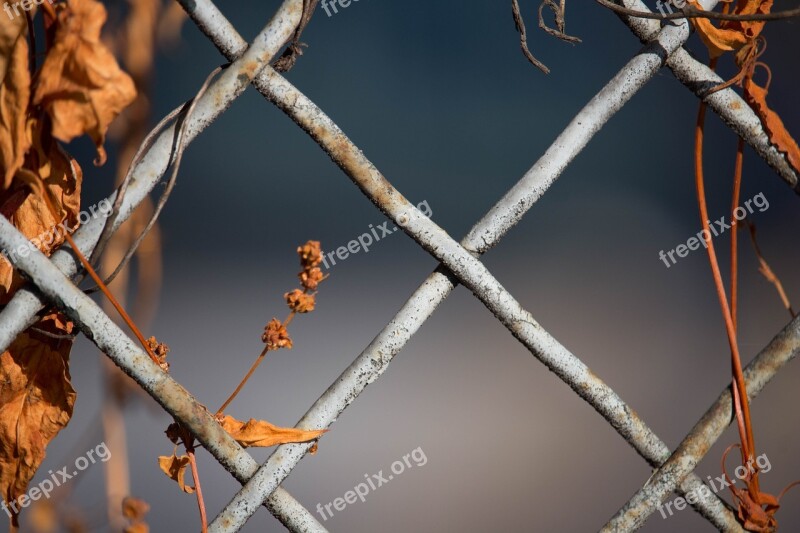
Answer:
[(36, 402), (140, 29), (80, 83), (731, 35), (135, 510), (175, 468), (10, 33), (756, 97), (30, 214), (170, 24), (15, 93), (42, 516), (261, 433)]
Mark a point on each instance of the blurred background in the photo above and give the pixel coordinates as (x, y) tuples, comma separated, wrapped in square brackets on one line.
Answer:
[(440, 98)]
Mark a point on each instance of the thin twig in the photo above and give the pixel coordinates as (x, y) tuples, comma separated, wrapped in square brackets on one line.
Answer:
[(111, 220), (523, 37), (560, 16), (180, 147), (767, 272)]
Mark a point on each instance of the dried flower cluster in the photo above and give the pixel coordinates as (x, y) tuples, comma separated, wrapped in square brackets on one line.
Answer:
[(302, 300), (310, 258), (275, 336), (160, 350)]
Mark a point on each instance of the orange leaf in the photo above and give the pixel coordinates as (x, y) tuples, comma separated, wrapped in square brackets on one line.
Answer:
[(261, 433), (80, 83), (139, 527), (36, 402), (62, 177), (15, 93), (134, 510), (756, 97), (731, 35), (175, 468)]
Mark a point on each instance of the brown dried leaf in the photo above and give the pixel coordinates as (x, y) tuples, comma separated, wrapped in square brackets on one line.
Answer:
[(10, 33), (135, 511), (15, 93), (140, 29), (260, 433), (62, 177), (731, 35), (80, 84), (36, 402), (756, 97), (175, 468), (169, 25), (42, 517)]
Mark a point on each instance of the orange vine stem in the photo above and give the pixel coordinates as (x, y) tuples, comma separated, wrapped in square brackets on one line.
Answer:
[(252, 370), (737, 187), (239, 387), (128, 320), (198, 489), (748, 442)]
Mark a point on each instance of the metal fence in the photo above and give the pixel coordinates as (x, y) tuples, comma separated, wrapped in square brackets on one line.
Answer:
[(459, 264)]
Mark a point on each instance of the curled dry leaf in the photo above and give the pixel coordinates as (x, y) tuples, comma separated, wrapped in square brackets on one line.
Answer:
[(61, 176), (742, 37), (731, 35), (14, 97), (175, 468), (11, 31), (43, 517), (80, 84), (135, 510), (756, 97), (260, 433), (36, 402)]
